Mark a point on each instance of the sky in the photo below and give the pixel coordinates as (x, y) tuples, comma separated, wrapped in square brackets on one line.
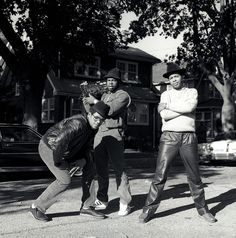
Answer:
[(155, 45)]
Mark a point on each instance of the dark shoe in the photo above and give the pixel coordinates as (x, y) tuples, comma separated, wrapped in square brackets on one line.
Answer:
[(38, 215), (145, 216), (208, 217), (91, 212)]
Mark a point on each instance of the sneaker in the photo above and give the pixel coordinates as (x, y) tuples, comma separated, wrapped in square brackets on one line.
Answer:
[(38, 215), (124, 210), (208, 217), (91, 212), (99, 205), (145, 216), (76, 171)]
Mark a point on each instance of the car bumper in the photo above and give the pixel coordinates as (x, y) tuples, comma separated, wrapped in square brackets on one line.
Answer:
[(223, 156)]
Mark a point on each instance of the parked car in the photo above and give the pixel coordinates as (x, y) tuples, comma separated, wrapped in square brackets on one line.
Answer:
[(223, 147), (19, 148)]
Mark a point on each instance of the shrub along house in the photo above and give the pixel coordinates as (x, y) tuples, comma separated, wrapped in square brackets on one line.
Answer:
[(62, 97)]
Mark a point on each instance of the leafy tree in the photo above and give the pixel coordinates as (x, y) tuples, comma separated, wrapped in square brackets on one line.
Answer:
[(38, 30), (90, 26), (208, 47)]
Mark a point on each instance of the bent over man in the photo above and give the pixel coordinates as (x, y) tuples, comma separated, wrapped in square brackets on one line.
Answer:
[(63, 144), (177, 108)]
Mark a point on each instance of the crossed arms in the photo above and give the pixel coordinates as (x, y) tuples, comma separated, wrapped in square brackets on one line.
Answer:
[(172, 109)]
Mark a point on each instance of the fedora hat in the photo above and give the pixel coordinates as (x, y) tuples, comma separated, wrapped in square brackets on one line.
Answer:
[(113, 73), (173, 68), (101, 108)]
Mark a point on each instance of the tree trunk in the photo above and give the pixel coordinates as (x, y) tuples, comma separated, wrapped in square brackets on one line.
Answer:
[(228, 110), (33, 87), (31, 109)]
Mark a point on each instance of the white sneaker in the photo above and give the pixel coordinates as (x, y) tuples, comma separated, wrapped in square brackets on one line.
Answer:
[(124, 210), (99, 205)]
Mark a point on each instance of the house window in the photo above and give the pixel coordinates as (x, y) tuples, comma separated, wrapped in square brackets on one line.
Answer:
[(91, 70), (138, 114), (48, 109), (129, 71), (17, 89), (76, 106), (213, 92)]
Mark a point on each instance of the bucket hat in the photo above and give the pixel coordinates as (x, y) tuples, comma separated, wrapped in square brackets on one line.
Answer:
[(101, 108), (173, 68), (113, 73)]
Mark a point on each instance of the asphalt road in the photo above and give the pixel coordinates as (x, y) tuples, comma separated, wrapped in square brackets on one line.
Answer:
[(176, 217)]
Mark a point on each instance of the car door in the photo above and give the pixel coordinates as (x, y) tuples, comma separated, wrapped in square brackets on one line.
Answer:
[(19, 146)]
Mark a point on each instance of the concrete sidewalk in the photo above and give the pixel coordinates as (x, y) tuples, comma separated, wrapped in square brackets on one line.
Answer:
[(176, 217)]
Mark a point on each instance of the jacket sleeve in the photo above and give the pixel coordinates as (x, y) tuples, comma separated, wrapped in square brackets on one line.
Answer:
[(61, 143), (188, 106), (121, 102)]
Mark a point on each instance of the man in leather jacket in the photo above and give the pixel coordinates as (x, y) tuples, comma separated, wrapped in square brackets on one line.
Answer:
[(177, 108), (63, 144)]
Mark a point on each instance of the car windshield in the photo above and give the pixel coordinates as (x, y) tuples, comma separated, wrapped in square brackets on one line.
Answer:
[(226, 136)]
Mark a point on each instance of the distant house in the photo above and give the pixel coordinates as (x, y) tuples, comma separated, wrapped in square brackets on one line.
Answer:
[(62, 97), (208, 112)]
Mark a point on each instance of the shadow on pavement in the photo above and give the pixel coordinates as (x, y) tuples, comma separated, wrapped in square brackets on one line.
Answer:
[(138, 200), (223, 200), (177, 191), (22, 191), (63, 214)]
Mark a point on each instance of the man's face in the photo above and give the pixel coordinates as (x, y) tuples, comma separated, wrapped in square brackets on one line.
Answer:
[(112, 84), (95, 120), (175, 81)]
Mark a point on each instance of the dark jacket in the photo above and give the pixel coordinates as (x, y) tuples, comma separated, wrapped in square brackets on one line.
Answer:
[(69, 139)]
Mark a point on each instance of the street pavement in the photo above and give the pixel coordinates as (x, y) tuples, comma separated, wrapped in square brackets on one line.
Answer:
[(176, 216)]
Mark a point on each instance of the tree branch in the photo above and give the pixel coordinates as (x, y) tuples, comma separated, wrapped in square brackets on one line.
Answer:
[(216, 82), (14, 40), (7, 55)]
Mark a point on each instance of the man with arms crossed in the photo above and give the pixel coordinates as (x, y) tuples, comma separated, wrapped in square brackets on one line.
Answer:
[(177, 108)]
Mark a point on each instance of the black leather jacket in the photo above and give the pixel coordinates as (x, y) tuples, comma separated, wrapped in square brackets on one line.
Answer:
[(69, 139)]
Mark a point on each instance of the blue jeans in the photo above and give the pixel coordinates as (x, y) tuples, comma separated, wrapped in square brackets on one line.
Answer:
[(109, 145), (63, 180)]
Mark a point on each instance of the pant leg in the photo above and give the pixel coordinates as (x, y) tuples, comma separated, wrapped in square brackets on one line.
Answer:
[(168, 150), (115, 146), (63, 179), (189, 155), (88, 183), (101, 162)]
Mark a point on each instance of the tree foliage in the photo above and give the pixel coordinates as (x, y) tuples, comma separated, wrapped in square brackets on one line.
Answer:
[(208, 48), (38, 30)]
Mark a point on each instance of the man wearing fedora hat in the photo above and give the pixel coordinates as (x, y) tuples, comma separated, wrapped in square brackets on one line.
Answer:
[(177, 107), (109, 143), (64, 144)]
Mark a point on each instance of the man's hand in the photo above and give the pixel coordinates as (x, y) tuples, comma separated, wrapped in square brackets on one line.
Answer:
[(161, 107), (90, 100), (77, 167), (62, 165)]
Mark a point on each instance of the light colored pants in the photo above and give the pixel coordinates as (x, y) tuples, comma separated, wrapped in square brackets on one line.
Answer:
[(63, 180), (110, 145)]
